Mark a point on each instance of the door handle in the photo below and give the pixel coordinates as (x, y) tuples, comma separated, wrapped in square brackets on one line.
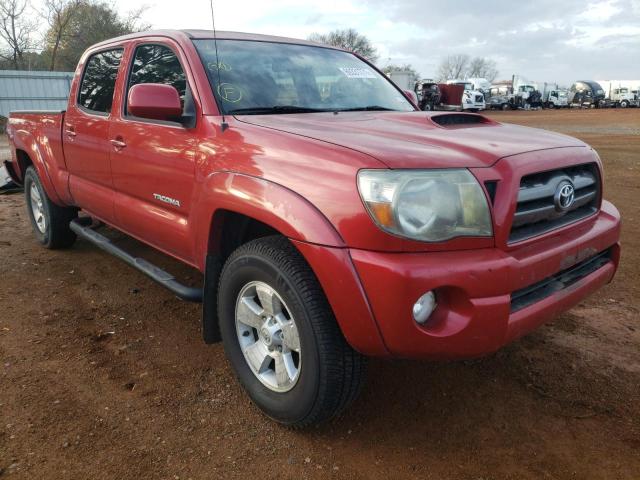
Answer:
[(119, 144), (70, 130)]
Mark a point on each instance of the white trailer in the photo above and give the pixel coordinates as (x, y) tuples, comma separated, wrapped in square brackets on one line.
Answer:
[(403, 79)]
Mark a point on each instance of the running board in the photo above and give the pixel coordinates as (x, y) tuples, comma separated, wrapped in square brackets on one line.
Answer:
[(82, 227)]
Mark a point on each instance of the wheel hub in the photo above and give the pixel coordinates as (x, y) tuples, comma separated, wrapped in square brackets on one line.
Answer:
[(271, 333), (268, 336)]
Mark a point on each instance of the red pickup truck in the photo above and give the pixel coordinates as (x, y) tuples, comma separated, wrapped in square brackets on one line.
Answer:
[(332, 219)]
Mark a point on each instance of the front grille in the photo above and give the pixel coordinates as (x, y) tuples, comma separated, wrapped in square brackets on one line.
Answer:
[(536, 211), (479, 98), (538, 291)]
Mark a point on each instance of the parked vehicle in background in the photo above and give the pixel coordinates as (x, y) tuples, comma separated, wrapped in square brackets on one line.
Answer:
[(500, 97), (403, 79), (587, 94), (480, 84), (526, 94), (238, 155), (554, 97), (472, 100), (451, 97), (620, 93), (623, 98), (428, 93)]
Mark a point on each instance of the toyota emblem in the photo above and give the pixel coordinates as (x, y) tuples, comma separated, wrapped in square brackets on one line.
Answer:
[(564, 196)]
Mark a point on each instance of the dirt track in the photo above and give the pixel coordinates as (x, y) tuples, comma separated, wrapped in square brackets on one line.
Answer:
[(103, 374)]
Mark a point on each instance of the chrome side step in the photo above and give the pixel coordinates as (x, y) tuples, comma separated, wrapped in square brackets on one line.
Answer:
[(82, 227)]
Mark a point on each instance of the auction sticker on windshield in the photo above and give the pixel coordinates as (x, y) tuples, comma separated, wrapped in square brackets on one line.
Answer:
[(356, 72)]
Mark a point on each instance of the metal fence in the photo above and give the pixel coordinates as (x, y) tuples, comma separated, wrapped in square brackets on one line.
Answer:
[(23, 90)]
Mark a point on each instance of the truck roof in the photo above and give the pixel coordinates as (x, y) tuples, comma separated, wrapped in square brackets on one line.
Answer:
[(185, 35)]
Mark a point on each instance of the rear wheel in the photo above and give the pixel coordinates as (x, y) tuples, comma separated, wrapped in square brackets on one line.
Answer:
[(50, 222), (281, 337)]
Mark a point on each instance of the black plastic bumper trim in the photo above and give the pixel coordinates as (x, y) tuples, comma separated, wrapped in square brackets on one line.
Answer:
[(538, 291)]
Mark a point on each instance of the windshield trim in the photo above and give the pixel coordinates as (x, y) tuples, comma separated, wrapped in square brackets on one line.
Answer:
[(319, 45)]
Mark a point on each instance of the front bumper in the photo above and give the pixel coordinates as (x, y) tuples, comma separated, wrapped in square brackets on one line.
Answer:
[(474, 289)]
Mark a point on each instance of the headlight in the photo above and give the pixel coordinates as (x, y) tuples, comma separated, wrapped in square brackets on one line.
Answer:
[(426, 205)]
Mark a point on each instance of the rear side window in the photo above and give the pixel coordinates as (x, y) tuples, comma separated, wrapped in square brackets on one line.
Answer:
[(158, 64), (99, 81)]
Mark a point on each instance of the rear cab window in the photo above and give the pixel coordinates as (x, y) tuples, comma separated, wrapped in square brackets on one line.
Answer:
[(99, 80)]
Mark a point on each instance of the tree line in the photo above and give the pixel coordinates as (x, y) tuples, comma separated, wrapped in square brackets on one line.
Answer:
[(70, 26)]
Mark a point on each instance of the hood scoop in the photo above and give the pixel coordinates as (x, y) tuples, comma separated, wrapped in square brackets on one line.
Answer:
[(460, 120)]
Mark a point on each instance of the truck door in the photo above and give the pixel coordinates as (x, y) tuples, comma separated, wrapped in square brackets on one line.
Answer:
[(86, 134), (152, 161)]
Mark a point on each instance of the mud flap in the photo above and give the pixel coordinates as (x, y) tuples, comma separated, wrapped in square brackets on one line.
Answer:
[(210, 328)]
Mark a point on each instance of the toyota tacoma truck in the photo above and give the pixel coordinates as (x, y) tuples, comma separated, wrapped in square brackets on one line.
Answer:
[(331, 218)]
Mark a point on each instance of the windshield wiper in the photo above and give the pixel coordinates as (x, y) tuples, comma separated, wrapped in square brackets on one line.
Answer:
[(368, 108), (274, 109)]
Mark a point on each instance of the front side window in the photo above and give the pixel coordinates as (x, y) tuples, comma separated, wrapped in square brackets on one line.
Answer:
[(158, 64), (99, 81), (252, 77)]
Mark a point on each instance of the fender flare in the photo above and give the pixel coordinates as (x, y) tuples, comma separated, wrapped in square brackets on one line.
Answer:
[(270, 203)]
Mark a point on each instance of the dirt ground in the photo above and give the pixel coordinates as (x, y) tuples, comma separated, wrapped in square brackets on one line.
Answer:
[(103, 374)]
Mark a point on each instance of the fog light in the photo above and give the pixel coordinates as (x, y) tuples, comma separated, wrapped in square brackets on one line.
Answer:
[(424, 307)]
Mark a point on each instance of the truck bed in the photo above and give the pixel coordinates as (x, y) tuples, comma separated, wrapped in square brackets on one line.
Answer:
[(40, 131)]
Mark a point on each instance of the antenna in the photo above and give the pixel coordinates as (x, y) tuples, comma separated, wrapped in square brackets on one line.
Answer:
[(224, 125)]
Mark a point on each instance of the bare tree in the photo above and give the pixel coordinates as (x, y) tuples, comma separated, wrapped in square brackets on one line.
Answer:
[(58, 14), (453, 67), (349, 39), (93, 22), (16, 30), (483, 68)]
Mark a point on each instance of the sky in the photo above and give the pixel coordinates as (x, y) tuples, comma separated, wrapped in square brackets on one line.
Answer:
[(542, 40)]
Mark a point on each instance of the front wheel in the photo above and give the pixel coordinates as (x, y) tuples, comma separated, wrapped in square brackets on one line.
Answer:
[(281, 336), (50, 222)]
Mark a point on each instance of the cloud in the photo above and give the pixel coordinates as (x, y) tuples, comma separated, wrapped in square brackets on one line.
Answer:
[(545, 40)]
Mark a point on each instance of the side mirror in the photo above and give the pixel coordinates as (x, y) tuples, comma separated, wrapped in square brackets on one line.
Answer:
[(155, 101), (411, 96)]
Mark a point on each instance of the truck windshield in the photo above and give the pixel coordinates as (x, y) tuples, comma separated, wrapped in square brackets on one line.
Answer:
[(278, 78)]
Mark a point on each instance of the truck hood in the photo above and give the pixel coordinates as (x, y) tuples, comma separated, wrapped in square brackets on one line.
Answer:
[(418, 139)]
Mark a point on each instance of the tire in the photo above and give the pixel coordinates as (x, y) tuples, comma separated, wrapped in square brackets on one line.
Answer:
[(329, 372), (49, 221), (624, 104)]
